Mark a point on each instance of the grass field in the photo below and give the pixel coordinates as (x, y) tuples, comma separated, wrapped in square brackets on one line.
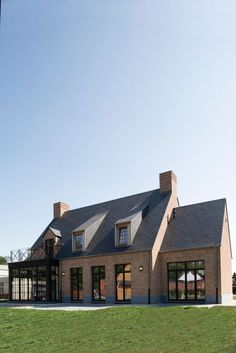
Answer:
[(119, 330)]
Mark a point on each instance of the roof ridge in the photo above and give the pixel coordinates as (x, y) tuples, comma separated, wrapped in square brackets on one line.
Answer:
[(200, 203), (105, 202)]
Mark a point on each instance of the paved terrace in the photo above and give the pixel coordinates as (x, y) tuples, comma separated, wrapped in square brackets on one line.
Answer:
[(88, 307)]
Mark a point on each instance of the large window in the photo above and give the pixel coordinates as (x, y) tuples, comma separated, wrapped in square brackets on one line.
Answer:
[(77, 283), (54, 283), (123, 282), (78, 241), (35, 283), (49, 248), (186, 281), (98, 283)]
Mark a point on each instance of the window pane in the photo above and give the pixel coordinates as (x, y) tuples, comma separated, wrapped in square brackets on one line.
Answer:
[(54, 283), (119, 268), (127, 268), (49, 247), (119, 286), (102, 269), (181, 285), (32, 284), (127, 283), (191, 265), (78, 241), (123, 282), (77, 283), (99, 283), (102, 286), (95, 269), (123, 235), (180, 265), (191, 285), (42, 283), (200, 279), (172, 285), (96, 287), (200, 264), (172, 266)]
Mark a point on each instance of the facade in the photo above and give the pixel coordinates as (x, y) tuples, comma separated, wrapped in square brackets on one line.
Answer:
[(143, 248), (4, 282)]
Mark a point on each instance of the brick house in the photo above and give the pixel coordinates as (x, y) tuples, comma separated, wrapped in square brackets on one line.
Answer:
[(142, 248)]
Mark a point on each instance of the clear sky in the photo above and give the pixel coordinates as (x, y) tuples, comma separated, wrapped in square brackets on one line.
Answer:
[(97, 97)]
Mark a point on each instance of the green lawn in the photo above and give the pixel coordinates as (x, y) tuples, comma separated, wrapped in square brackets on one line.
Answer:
[(120, 330)]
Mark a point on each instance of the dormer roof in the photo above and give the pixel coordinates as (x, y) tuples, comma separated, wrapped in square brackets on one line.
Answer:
[(56, 232), (95, 220)]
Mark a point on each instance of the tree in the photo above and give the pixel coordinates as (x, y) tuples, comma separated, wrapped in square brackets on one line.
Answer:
[(3, 260)]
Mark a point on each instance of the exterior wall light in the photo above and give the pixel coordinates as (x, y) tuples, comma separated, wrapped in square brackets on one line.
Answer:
[(140, 268), (63, 274)]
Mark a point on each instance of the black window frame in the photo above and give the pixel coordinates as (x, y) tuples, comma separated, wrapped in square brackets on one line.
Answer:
[(99, 274), (77, 271), (49, 248), (179, 266), (50, 268), (124, 283)]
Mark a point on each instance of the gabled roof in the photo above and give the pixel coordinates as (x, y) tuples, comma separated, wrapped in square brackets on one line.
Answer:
[(90, 222), (56, 232), (195, 226), (103, 240)]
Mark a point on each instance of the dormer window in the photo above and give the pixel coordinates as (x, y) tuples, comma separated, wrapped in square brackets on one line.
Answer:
[(123, 235), (78, 241), (49, 248), (126, 228)]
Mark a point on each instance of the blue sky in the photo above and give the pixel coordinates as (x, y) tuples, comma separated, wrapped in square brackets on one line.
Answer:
[(98, 97)]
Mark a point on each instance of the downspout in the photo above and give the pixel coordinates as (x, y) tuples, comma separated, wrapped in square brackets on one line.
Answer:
[(149, 278), (217, 273)]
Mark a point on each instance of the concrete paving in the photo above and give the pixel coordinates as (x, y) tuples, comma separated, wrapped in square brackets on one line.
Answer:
[(91, 307)]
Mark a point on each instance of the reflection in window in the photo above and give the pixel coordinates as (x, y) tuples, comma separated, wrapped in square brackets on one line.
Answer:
[(186, 280), (181, 285), (34, 283), (54, 283), (78, 241), (98, 283), (77, 283), (123, 235), (123, 282)]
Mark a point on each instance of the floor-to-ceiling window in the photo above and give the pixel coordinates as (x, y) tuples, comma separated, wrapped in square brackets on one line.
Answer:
[(98, 283), (34, 283), (77, 283), (186, 281), (54, 283), (123, 282)]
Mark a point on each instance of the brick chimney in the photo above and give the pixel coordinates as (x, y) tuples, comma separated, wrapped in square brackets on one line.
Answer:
[(168, 182), (59, 208)]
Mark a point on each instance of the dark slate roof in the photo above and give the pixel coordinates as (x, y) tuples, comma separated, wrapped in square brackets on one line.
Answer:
[(103, 241), (195, 226)]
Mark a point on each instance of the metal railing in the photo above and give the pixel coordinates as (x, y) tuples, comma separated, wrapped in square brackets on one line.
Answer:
[(27, 254)]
